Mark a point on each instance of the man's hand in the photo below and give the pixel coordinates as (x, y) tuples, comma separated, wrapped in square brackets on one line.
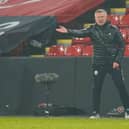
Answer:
[(62, 29), (116, 65)]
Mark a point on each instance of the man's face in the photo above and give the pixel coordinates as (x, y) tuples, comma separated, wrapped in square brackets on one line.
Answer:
[(100, 18)]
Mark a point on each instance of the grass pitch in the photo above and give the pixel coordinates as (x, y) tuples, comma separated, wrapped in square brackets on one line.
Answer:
[(62, 123)]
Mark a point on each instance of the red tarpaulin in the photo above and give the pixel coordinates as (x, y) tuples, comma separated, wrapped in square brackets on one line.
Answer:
[(64, 10)]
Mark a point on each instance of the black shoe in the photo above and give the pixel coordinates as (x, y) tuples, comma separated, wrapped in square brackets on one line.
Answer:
[(127, 113), (95, 115)]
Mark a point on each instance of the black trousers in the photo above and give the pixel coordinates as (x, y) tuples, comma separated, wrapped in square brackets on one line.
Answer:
[(99, 73)]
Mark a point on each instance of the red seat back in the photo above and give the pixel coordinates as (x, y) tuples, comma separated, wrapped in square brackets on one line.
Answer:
[(56, 50), (85, 40), (124, 34), (125, 20), (87, 50), (126, 53), (74, 50), (114, 19)]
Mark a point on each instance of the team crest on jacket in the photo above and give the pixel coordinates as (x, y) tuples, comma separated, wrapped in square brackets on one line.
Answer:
[(96, 72), (109, 34)]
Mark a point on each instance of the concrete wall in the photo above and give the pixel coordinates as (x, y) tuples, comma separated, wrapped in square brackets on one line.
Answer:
[(73, 88)]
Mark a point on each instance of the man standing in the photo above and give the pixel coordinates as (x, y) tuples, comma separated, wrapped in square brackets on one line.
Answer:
[(108, 53)]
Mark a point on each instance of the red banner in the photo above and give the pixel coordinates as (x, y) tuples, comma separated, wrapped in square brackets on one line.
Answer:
[(64, 10)]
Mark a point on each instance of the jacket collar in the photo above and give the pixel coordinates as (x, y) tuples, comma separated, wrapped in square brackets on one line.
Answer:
[(103, 26)]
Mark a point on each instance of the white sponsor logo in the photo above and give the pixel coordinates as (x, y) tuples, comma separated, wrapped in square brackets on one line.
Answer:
[(1, 33), (109, 34), (18, 4), (8, 25), (96, 72)]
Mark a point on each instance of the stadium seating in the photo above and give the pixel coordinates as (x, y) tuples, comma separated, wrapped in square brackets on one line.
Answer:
[(56, 50), (83, 46), (74, 50), (64, 42), (118, 11), (126, 53), (85, 40), (125, 20), (124, 34), (87, 50), (114, 19)]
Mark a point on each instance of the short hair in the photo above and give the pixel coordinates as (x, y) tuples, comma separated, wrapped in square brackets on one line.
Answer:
[(101, 11)]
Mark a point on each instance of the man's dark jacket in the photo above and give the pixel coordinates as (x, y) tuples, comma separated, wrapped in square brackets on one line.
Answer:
[(107, 41)]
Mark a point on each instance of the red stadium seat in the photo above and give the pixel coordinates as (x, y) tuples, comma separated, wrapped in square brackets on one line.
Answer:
[(85, 40), (127, 41), (127, 10), (114, 19), (74, 50), (56, 50), (87, 50), (124, 21), (126, 53), (124, 34)]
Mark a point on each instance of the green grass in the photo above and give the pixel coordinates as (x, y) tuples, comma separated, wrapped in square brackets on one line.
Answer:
[(62, 123)]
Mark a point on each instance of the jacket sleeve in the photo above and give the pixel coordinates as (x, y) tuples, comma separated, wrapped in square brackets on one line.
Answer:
[(79, 33), (121, 46)]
